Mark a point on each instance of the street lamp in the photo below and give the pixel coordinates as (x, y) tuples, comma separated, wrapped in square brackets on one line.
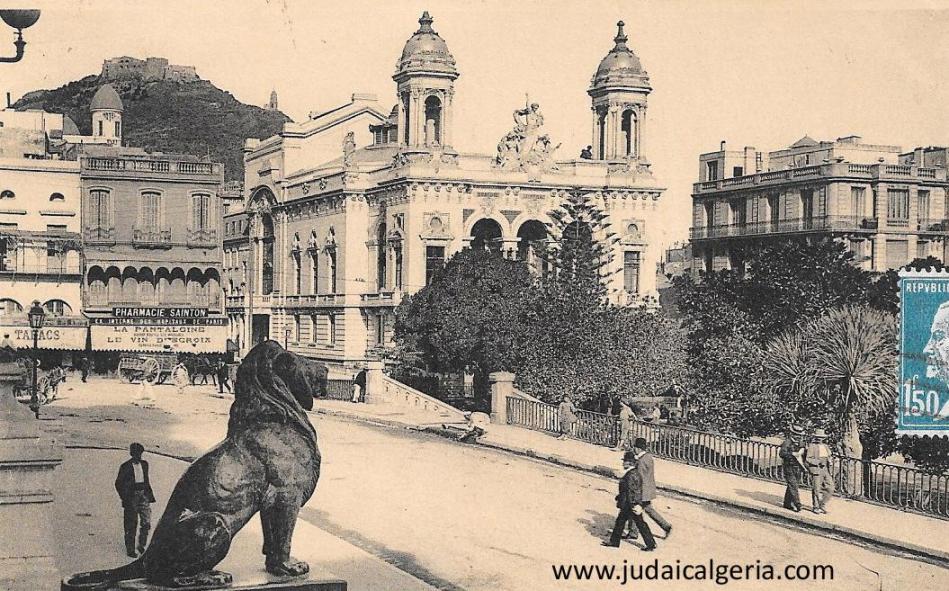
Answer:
[(37, 315), (286, 337), (19, 20)]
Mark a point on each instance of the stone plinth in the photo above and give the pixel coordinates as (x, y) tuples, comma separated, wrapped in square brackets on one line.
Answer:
[(502, 386), (374, 386), (28, 460)]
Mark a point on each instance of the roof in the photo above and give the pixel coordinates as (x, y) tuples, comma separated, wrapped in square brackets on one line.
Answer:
[(804, 142), (620, 67), (426, 52), (106, 99)]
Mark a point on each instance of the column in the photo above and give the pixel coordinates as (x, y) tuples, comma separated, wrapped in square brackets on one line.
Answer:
[(596, 135), (615, 126), (447, 118), (375, 388), (502, 386), (640, 122), (418, 118), (28, 460)]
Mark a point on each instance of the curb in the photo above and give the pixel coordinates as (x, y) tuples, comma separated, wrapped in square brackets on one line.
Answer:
[(930, 555)]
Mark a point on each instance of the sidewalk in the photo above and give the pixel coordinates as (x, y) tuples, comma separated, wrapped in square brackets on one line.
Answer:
[(91, 530), (926, 537)]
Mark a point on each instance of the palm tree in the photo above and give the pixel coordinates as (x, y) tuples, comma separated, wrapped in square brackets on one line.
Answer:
[(845, 359)]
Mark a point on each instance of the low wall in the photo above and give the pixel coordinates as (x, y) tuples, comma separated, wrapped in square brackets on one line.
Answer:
[(395, 392)]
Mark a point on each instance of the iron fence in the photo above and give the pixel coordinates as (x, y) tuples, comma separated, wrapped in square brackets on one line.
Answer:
[(339, 389), (896, 486)]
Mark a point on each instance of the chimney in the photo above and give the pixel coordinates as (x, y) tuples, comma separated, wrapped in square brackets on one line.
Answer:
[(721, 146), (9, 103)]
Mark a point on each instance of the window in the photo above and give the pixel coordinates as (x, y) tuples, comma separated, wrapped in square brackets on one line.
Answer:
[(380, 330), (200, 212), (738, 171), (56, 228), (297, 274), (118, 128), (774, 209), (397, 256), (99, 210), (631, 264), (897, 207), (858, 201), (381, 256), (7, 260), (57, 197), (709, 214), (434, 261), (332, 329), (738, 212), (314, 334), (57, 308), (296, 328), (7, 194), (151, 211), (711, 171), (897, 253), (922, 249), (55, 260), (922, 203), (9, 307), (315, 272), (100, 127), (332, 270)]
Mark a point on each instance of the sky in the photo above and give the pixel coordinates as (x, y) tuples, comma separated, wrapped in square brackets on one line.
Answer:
[(760, 73)]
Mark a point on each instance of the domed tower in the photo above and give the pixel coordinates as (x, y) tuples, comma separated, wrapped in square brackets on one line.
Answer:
[(425, 76), (107, 110), (619, 90)]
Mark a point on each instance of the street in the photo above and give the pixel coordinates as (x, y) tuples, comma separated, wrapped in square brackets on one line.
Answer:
[(464, 517)]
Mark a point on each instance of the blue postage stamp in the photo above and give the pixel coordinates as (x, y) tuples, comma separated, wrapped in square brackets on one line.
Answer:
[(924, 353)]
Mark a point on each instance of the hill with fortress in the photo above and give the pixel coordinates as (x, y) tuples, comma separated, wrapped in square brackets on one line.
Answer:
[(168, 108)]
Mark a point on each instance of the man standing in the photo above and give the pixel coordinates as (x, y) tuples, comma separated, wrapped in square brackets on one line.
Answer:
[(625, 425), (646, 467), (792, 450), (359, 385), (586, 153), (567, 413), (222, 375), (629, 503), (817, 458), (135, 490), (84, 367)]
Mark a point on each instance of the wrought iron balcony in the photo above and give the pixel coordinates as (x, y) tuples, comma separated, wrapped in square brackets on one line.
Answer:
[(151, 237), (831, 223), (98, 235), (203, 237)]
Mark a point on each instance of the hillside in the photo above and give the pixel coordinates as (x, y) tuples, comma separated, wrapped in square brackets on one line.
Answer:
[(186, 118)]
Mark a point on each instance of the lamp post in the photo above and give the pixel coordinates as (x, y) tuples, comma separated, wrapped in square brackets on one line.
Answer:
[(19, 20), (286, 337), (36, 315)]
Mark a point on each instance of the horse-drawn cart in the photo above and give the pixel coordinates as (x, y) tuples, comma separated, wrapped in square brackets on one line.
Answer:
[(156, 367)]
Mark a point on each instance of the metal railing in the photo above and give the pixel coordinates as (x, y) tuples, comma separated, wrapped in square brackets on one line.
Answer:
[(143, 236), (202, 237), (891, 485), (98, 234), (822, 223), (339, 389)]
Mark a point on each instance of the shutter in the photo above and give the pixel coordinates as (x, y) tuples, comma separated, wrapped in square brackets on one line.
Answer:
[(897, 253)]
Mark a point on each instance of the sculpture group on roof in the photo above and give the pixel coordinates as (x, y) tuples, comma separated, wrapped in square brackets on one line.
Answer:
[(524, 146)]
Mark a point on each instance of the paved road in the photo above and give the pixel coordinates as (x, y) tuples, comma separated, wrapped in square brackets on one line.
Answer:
[(464, 517)]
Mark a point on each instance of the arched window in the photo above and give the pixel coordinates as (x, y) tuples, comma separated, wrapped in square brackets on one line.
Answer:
[(314, 272), (486, 233), (331, 260), (297, 273), (433, 121), (532, 245), (57, 308), (267, 243), (629, 133), (7, 194), (57, 197), (10, 307)]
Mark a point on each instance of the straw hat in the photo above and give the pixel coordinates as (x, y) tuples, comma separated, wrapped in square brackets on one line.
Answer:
[(796, 429), (819, 434)]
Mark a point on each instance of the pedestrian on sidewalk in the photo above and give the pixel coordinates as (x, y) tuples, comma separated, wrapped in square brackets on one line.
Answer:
[(817, 457), (359, 385), (84, 367), (222, 375), (135, 490), (626, 415), (6, 343), (792, 451), (180, 377), (629, 502), (567, 413), (149, 376), (646, 467)]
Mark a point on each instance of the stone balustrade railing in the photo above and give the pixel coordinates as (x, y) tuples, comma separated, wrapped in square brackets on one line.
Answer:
[(393, 391)]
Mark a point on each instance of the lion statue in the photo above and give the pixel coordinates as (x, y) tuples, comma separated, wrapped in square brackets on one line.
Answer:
[(268, 463)]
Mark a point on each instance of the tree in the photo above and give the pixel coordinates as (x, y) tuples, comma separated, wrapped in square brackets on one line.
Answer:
[(845, 361)]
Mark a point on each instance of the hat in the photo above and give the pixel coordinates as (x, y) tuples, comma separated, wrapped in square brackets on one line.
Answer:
[(629, 456), (136, 449), (819, 434), (640, 443), (796, 429)]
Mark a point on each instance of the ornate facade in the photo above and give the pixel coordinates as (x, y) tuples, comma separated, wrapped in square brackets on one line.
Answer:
[(330, 240)]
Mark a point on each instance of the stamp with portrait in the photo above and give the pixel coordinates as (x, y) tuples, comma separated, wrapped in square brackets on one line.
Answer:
[(923, 403)]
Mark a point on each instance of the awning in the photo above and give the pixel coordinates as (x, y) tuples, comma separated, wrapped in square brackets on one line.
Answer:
[(180, 339), (69, 338)]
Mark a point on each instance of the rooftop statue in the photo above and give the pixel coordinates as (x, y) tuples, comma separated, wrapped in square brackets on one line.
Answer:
[(269, 463), (349, 148), (524, 148)]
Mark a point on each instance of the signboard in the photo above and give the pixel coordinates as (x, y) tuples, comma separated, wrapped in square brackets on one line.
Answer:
[(153, 338), (160, 321), (49, 337), (138, 312)]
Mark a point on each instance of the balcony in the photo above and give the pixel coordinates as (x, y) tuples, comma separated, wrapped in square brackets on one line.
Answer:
[(382, 299), (838, 223), (236, 301), (98, 235), (203, 238), (64, 270), (828, 171), (150, 165), (322, 300), (151, 237), (933, 226)]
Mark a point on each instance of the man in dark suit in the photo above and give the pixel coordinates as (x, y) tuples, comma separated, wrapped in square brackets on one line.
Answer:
[(629, 502), (135, 490), (791, 453)]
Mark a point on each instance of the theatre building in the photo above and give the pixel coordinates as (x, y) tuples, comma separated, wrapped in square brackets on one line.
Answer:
[(152, 250), (357, 206)]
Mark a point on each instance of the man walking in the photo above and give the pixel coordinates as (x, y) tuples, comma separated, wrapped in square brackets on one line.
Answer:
[(629, 503), (359, 385), (646, 467), (222, 375), (792, 451), (135, 490), (817, 458), (84, 367)]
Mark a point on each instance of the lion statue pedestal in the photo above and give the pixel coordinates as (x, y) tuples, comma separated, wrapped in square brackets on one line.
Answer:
[(268, 464)]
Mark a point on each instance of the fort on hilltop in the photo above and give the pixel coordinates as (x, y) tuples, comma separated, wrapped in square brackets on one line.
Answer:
[(151, 69)]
